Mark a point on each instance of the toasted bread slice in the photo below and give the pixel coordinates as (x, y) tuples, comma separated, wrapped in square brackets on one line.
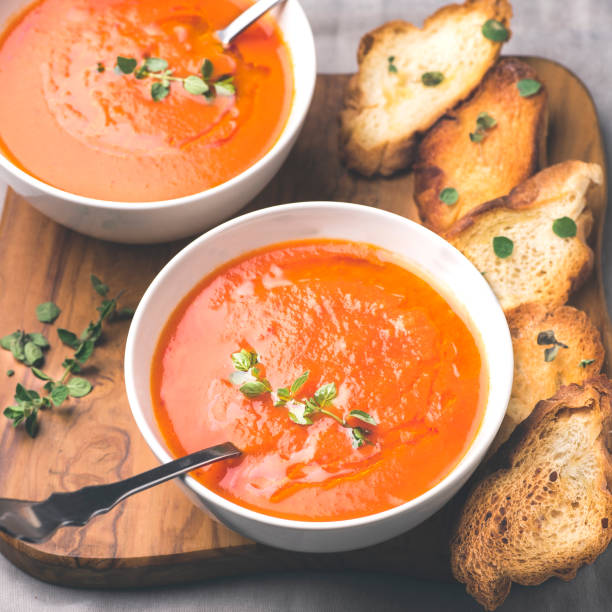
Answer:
[(534, 376), (542, 266), (387, 104), (548, 510), (508, 154)]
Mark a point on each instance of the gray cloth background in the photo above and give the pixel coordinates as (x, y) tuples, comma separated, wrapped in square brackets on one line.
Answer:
[(575, 33)]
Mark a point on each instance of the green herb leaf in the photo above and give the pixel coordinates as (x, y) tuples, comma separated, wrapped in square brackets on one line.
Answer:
[(98, 285), (495, 30), (485, 121), (546, 337), (21, 395), (325, 394), (528, 87), (10, 373), (363, 416), (159, 91), (39, 340), (33, 354), (48, 386), (141, 73), (391, 67), (225, 86), (432, 79), (155, 64), (7, 341), (449, 195), (300, 419), (585, 362), (15, 413), (244, 360), (17, 347), (31, 423), (125, 65), (72, 365), (84, 351), (47, 312), (100, 67), (59, 394), (299, 383), (106, 308), (78, 387), (551, 353), (477, 136), (92, 332), (503, 246), (283, 394), (255, 388), (358, 437), (206, 69), (310, 406), (40, 374), (564, 227), (195, 85), (68, 338)]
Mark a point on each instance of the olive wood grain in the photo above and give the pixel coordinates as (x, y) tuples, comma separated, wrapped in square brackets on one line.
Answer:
[(159, 537)]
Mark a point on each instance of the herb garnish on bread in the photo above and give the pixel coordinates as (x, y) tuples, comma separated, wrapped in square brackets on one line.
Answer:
[(539, 370), (484, 148), (409, 77), (548, 509), (516, 241)]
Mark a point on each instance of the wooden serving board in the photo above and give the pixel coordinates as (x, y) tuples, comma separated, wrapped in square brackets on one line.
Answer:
[(158, 536)]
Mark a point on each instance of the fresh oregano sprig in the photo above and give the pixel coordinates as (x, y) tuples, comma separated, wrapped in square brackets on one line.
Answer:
[(157, 69), (484, 122), (29, 402), (547, 338), (250, 379), (26, 347)]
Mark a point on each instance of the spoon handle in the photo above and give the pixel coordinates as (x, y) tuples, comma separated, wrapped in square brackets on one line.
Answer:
[(244, 20), (121, 489), (36, 521)]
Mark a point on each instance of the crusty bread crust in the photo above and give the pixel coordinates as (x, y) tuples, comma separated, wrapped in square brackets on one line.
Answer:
[(508, 155), (373, 95), (531, 193), (543, 267), (535, 378), (547, 510)]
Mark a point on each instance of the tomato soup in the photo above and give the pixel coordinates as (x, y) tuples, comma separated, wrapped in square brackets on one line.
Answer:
[(73, 119), (348, 314)]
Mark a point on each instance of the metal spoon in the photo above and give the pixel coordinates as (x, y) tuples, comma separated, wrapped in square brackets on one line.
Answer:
[(36, 521), (244, 20)]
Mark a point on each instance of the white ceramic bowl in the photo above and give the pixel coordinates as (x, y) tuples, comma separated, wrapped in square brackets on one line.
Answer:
[(149, 222), (425, 253)]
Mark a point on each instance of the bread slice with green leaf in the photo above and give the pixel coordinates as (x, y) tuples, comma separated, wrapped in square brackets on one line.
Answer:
[(551, 349), (531, 244), (547, 509), (409, 77), (484, 148)]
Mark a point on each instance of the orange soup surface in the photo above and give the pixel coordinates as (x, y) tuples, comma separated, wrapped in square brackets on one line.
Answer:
[(348, 313), (69, 119)]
